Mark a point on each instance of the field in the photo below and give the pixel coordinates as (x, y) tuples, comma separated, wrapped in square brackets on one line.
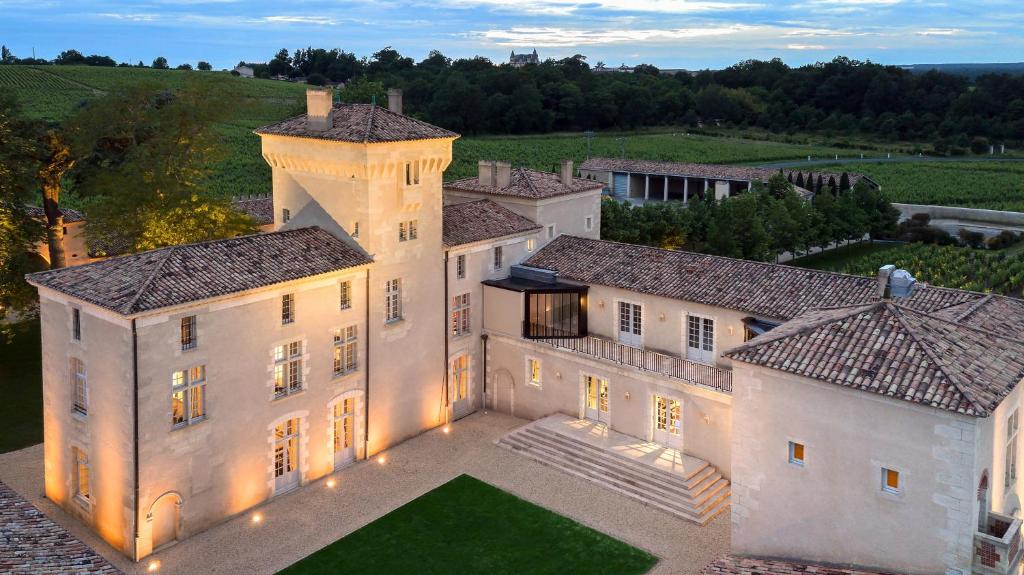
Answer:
[(468, 526), (1000, 272), (992, 185)]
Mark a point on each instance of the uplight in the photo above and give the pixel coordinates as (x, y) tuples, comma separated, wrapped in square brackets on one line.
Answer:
[(257, 518), (447, 429), (153, 566), (331, 483), (381, 459)]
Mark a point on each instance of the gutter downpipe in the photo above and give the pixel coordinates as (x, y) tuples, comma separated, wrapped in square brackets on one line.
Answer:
[(444, 393), (366, 386), (135, 434)]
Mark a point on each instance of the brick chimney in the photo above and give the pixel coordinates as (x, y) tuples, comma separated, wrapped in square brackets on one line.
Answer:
[(502, 174), (486, 174), (319, 109), (566, 172), (395, 100)]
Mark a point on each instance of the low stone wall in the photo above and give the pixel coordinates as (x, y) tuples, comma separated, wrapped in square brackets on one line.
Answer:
[(994, 218)]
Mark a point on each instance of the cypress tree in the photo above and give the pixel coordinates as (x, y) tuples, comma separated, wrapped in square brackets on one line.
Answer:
[(844, 182), (819, 185), (800, 179)]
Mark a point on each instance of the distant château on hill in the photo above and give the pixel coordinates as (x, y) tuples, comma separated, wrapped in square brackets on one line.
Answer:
[(520, 60)]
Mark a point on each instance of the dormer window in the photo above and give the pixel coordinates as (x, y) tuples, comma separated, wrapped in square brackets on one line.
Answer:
[(556, 313)]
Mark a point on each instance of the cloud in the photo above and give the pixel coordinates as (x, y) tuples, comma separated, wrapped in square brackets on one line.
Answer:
[(940, 32), (318, 20), (805, 47), (570, 7), (131, 17), (564, 37)]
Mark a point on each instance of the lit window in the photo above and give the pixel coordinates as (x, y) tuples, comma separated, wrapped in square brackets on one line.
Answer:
[(188, 396), (551, 231), (345, 294), (460, 267), (76, 324), (287, 308), (796, 453), (82, 483), (286, 215), (288, 369), (890, 480), (188, 332), (408, 230), (345, 350), (533, 371), (460, 315), (531, 244), (590, 223), (498, 255), (1010, 469), (79, 387), (393, 300), (412, 173)]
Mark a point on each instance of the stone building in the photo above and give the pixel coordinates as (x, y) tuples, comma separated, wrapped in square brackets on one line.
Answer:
[(520, 60)]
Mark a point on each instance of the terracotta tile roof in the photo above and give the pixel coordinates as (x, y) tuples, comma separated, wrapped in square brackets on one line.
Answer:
[(479, 220), (709, 171), (995, 313), (361, 123), (31, 543), (749, 566), (259, 209), (896, 351), (70, 216), (527, 183), (170, 276), (768, 290)]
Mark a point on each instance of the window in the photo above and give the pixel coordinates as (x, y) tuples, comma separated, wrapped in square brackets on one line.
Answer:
[(498, 254), (81, 480), (589, 223), (796, 453), (408, 230), (79, 387), (345, 294), (412, 173), (286, 215), (533, 371), (531, 244), (355, 229), (700, 339), (345, 350), (188, 396), (288, 369), (460, 315), (393, 300), (188, 332), (287, 308), (1010, 470), (559, 313), (460, 267), (76, 324), (890, 480), (460, 377), (551, 231)]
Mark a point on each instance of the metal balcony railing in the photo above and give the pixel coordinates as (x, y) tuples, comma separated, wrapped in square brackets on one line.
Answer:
[(716, 378)]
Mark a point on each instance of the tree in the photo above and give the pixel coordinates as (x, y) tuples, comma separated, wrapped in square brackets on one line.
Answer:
[(69, 58), (363, 91), (6, 56), (204, 66), (316, 79), (59, 158), (160, 63), (185, 66)]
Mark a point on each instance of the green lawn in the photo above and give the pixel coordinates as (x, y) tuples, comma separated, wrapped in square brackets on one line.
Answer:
[(20, 385), (838, 258), (468, 526)]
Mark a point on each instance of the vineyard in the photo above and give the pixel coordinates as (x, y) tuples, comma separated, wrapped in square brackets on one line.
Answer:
[(999, 272), (992, 185)]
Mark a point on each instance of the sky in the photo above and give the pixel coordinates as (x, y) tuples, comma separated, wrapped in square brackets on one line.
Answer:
[(690, 34)]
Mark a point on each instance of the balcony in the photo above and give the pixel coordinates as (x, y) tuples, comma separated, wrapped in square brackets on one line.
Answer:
[(709, 376), (997, 549)]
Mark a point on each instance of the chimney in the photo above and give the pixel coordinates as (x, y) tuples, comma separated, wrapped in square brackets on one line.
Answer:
[(883, 280), (502, 174), (486, 173), (319, 109), (395, 100), (566, 173)]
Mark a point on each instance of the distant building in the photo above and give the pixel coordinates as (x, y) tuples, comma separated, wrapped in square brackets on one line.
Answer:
[(244, 71), (520, 60)]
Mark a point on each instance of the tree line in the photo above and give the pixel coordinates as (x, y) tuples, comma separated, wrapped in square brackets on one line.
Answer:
[(761, 225), (76, 58)]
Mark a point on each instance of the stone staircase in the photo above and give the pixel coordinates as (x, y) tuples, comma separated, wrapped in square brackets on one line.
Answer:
[(698, 493)]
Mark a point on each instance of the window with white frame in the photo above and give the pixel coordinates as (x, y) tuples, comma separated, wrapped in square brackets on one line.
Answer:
[(498, 257), (460, 266), (345, 294), (533, 375), (531, 244), (589, 223), (345, 340), (408, 230), (287, 308), (82, 480), (891, 482), (1010, 470), (550, 231), (79, 386), (286, 215), (288, 369), (76, 324), (393, 300), (460, 315), (796, 453), (188, 332), (412, 173), (188, 396)]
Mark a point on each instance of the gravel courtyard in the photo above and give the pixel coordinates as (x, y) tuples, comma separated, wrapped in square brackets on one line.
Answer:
[(299, 523)]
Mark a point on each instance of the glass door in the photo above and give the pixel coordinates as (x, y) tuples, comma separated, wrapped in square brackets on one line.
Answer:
[(630, 324), (596, 399), (286, 456), (700, 339), (344, 432), (668, 421)]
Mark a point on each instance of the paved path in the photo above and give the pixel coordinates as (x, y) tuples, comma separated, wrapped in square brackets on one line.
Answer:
[(883, 160), (302, 522)]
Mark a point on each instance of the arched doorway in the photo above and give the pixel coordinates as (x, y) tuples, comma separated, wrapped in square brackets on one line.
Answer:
[(504, 391), (164, 518)]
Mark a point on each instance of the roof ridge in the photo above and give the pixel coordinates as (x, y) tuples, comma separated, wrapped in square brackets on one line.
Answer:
[(956, 323), (529, 182), (369, 122), (974, 307), (819, 322), (130, 306)]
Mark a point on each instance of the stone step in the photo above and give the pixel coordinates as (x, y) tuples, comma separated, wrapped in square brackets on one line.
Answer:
[(699, 498)]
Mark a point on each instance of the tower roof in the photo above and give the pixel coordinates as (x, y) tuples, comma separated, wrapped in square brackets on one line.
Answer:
[(360, 123)]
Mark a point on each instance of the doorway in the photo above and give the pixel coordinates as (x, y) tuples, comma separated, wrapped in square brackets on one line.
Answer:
[(668, 421), (700, 339), (630, 324), (164, 517), (286, 456), (344, 432), (595, 396), (462, 403)]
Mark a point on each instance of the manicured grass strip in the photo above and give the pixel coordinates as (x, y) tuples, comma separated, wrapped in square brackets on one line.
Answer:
[(837, 258), (467, 526), (21, 385)]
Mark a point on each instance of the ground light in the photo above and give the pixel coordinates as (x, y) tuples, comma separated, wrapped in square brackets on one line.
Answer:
[(331, 483), (381, 459), (257, 518), (153, 566), (447, 429)]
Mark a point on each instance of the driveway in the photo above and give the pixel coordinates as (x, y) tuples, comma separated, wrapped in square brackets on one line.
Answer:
[(299, 523)]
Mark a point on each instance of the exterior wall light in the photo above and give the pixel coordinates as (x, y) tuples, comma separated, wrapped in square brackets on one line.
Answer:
[(627, 395)]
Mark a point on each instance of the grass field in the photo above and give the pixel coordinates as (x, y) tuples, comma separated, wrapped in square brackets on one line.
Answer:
[(990, 185), (21, 386), (468, 526)]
